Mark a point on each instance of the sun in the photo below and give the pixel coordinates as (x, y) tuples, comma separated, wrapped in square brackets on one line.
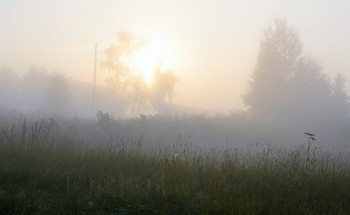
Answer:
[(146, 59)]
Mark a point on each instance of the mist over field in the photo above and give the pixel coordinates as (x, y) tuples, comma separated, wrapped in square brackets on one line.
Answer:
[(174, 107), (287, 94)]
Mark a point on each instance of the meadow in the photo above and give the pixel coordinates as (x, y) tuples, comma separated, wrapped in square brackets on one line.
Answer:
[(81, 166)]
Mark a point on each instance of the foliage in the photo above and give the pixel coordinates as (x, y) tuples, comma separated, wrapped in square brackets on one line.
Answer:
[(128, 83), (277, 61), (339, 95), (288, 86), (123, 79), (162, 86)]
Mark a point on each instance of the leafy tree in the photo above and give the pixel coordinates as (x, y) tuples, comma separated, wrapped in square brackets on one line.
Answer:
[(286, 85), (280, 50), (123, 78), (339, 96), (163, 86), (130, 85)]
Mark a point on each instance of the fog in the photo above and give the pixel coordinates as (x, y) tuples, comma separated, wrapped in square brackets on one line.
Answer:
[(216, 41), (244, 72)]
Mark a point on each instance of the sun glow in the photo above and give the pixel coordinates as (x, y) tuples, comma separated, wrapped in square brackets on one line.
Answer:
[(146, 59)]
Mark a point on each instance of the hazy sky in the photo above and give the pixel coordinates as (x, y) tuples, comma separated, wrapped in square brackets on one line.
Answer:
[(214, 43)]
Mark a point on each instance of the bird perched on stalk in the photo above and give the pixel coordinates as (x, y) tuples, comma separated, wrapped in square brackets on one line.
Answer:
[(309, 134)]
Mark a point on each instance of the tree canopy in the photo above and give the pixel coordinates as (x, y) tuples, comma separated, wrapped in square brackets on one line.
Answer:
[(128, 83), (286, 85)]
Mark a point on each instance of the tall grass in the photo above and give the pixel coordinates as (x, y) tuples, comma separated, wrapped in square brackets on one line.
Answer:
[(49, 169)]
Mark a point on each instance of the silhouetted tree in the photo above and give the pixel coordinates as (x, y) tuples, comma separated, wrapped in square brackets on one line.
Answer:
[(163, 86), (339, 96), (128, 83), (124, 79), (280, 50), (288, 86)]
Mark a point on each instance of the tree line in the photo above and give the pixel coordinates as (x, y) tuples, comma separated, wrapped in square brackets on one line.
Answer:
[(37, 89), (286, 85)]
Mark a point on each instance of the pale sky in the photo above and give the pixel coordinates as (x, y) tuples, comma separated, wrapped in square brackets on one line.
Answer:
[(214, 43)]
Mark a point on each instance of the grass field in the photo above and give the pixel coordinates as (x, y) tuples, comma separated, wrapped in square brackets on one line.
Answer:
[(46, 172)]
